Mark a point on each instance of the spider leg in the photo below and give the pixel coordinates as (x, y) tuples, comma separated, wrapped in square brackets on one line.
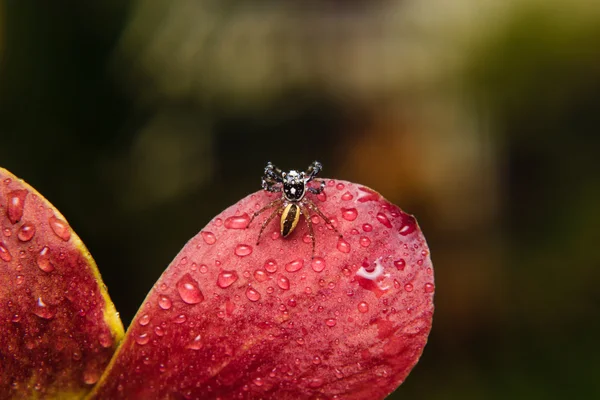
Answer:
[(264, 224), (269, 185), (271, 171), (270, 205), (314, 207), (313, 169), (310, 228), (317, 190)]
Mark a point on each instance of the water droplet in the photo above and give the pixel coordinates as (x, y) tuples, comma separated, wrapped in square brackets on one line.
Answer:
[(142, 338), (363, 307), (330, 322), (408, 225), (60, 228), (367, 227), (7, 232), (188, 290), (260, 275), (429, 288), (159, 331), (164, 302), (408, 287), (203, 269), (252, 294), (43, 260), (381, 217), (343, 246), (322, 196), (340, 186), (16, 318), (347, 196), (180, 319), (318, 264), (144, 320), (271, 266), (226, 278), (196, 343), (258, 381), (316, 360), (243, 250), (16, 205), (306, 238), (294, 266), (105, 340), (349, 214), (90, 377), (300, 341), (26, 232), (209, 237), (365, 241), (400, 264), (4, 253), (283, 282), (237, 221), (43, 310)]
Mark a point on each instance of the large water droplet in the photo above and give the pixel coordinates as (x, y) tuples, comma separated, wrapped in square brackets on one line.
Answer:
[(330, 322), (90, 377), (26, 232), (408, 287), (142, 338), (237, 221), (408, 226), (429, 288), (349, 214), (400, 264), (180, 319), (60, 228), (105, 340), (364, 241), (226, 278), (43, 260), (243, 250), (271, 266), (363, 307), (164, 302), (340, 186), (318, 264), (188, 290), (43, 310), (209, 237), (16, 205), (196, 343), (367, 227), (295, 265), (252, 294), (347, 196), (381, 217), (4, 253), (260, 275), (322, 196), (343, 246), (144, 320), (283, 282)]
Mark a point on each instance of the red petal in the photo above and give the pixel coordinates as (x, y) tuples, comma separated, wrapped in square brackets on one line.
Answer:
[(58, 327), (274, 323)]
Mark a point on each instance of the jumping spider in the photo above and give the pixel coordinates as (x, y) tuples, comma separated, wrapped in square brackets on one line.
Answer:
[(293, 186)]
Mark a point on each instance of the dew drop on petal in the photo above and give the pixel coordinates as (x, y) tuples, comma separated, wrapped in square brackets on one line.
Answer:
[(26, 232), (243, 250), (364, 241), (343, 246), (271, 266), (408, 287), (340, 186), (226, 278), (330, 322), (260, 275), (252, 294), (283, 282), (349, 214), (196, 343), (400, 264), (408, 226), (429, 288), (16, 205), (318, 264), (43, 260), (60, 228), (43, 310), (294, 266), (381, 217), (209, 237), (363, 307), (367, 227), (164, 302), (237, 221), (188, 290), (144, 320), (19, 279), (4, 253), (347, 196), (142, 338)]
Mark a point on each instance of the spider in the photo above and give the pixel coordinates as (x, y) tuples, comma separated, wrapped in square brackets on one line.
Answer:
[(293, 186)]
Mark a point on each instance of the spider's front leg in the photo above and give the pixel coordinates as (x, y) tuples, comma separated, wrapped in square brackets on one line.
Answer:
[(273, 173), (313, 169), (318, 189)]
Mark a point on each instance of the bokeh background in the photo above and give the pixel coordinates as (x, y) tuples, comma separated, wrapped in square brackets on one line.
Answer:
[(141, 120)]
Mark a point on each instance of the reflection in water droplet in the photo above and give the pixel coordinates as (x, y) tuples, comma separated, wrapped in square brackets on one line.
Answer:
[(26, 232), (4, 253), (367, 227), (144, 319), (16, 205), (343, 246), (408, 226), (142, 338), (60, 228), (43, 310), (318, 264), (283, 282), (196, 343), (400, 264), (188, 290), (340, 186), (258, 381), (349, 214), (408, 287), (363, 307), (316, 360), (226, 278), (271, 266), (43, 260), (252, 294), (260, 275), (243, 250), (364, 241), (381, 217), (237, 221), (330, 322), (429, 288), (295, 265), (347, 196), (164, 302), (180, 319), (209, 237)]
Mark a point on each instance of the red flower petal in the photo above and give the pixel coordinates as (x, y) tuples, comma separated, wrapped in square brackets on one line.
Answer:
[(275, 323)]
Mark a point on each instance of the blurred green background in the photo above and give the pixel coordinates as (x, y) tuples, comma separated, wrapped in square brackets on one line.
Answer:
[(141, 120)]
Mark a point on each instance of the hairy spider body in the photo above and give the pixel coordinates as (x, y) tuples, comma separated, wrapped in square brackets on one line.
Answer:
[(293, 186)]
